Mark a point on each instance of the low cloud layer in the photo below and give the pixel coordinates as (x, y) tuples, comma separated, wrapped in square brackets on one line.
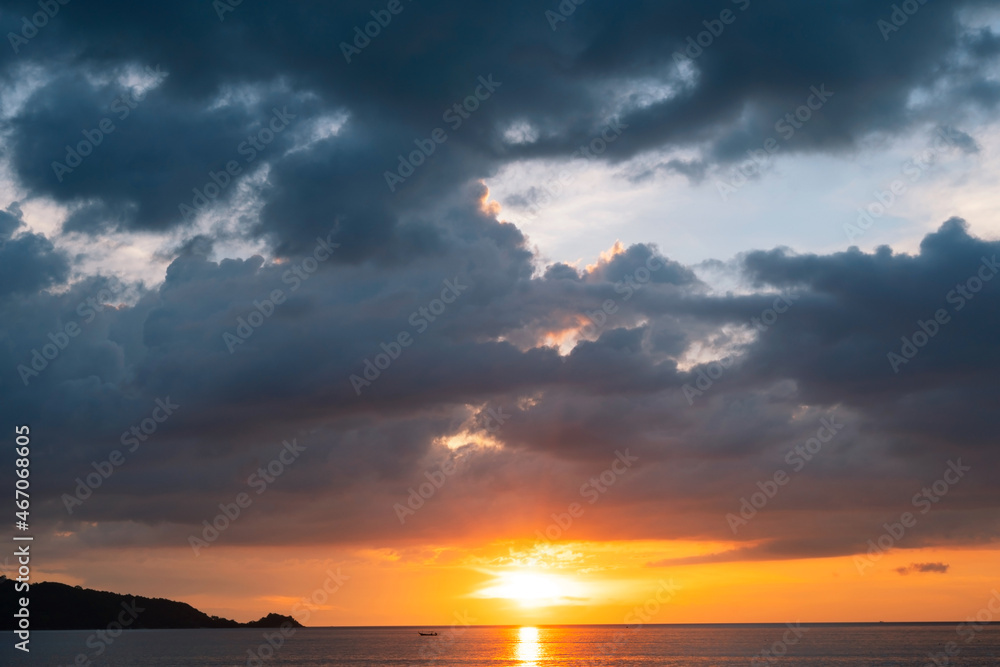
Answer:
[(385, 329), (578, 365)]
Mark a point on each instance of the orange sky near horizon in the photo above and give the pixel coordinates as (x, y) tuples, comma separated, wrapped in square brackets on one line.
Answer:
[(521, 583)]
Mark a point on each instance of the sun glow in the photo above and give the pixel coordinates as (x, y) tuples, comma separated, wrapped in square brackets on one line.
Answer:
[(532, 589), (607, 255)]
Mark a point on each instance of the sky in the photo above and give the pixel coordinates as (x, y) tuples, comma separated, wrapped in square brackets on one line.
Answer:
[(397, 313)]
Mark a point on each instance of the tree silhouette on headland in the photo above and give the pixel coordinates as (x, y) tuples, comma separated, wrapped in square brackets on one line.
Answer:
[(56, 606)]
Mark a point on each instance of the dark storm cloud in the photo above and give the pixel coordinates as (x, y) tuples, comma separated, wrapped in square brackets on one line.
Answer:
[(568, 413), (838, 341), (28, 262), (132, 167), (984, 44), (322, 179), (605, 62)]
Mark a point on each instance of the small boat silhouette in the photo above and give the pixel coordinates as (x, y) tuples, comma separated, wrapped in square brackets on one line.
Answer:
[(427, 634)]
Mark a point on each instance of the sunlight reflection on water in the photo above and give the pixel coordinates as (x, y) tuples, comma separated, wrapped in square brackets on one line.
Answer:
[(528, 649), (549, 646)]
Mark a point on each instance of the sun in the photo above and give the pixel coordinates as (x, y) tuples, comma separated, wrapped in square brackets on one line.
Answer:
[(533, 589)]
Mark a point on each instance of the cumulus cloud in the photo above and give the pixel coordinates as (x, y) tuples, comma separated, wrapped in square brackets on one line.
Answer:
[(28, 262), (605, 64), (586, 360), (569, 409)]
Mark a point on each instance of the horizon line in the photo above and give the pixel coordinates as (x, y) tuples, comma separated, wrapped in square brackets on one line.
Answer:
[(576, 625)]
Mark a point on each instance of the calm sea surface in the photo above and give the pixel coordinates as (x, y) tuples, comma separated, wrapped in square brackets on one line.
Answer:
[(815, 645)]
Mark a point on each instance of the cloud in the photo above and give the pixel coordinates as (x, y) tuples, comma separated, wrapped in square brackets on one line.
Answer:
[(585, 360), (941, 568), (28, 262), (570, 410), (603, 66)]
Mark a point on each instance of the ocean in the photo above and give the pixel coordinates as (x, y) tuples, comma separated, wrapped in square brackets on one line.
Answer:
[(881, 645)]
